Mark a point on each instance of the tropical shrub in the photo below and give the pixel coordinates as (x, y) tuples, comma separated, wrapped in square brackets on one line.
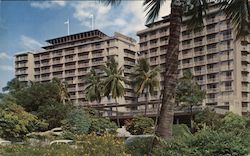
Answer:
[(15, 123), (204, 143), (140, 125)]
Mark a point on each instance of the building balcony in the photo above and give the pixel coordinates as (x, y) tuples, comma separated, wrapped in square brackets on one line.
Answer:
[(213, 60), (57, 69), (57, 54), (198, 63), (200, 82), (69, 59), (83, 57), (186, 37), (244, 79), (83, 65), (213, 30), (70, 67), (129, 63), (212, 50), (37, 59), (126, 70), (187, 65), (69, 52), (188, 55), (58, 76), (226, 78), (154, 62), (45, 64), (21, 72), (245, 99), (245, 89), (199, 53), (129, 55), (129, 94), (97, 55), (45, 78), (71, 89), (200, 33), (70, 74), (212, 90), (45, 71), (82, 72), (200, 72), (213, 80), (199, 43), (245, 69), (225, 68), (187, 46), (212, 70), (212, 20), (57, 62), (245, 58), (212, 40), (22, 58), (45, 57), (97, 63), (229, 88), (21, 65)]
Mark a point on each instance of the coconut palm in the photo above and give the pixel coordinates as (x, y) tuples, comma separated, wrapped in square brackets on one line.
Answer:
[(145, 79), (238, 10), (113, 82), (94, 87), (63, 91)]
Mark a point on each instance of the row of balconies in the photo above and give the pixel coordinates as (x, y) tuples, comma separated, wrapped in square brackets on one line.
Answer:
[(21, 58)]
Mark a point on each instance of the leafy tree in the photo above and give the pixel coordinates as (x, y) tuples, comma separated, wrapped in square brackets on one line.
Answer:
[(77, 122), (15, 123), (145, 79), (208, 118), (237, 10), (113, 82), (189, 94), (80, 121), (14, 86), (140, 125), (44, 100)]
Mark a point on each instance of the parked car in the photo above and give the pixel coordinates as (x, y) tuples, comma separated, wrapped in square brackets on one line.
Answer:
[(58, 142), (4, 142)]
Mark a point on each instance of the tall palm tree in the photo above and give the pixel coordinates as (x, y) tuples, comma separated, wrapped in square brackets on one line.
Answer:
[(94, 87), (113, 83), (145, 79), (237, 10), (63, 91)]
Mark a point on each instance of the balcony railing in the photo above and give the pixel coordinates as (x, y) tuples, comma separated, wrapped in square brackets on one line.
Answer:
[(22, 58)]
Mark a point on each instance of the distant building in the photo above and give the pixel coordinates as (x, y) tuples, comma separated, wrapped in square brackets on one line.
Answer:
[(70, 58), (219, 63)]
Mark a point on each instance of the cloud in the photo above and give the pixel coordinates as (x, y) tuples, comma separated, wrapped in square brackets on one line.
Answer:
[(4, 55), (6, 67), (48, 4), (28, 43), (128, 18)]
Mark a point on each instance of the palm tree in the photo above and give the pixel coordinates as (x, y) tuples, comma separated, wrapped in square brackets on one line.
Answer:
[(94, 87), (145, 79), (113, 82), (63, 91), (237, 10)]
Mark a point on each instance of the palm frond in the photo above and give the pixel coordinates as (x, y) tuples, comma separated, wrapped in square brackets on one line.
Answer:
[(153, 8), (110, 2)]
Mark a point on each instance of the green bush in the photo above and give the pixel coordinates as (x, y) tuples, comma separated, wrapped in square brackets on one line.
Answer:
[(140, 125), (85, 145), (205, 143), (181, 130)]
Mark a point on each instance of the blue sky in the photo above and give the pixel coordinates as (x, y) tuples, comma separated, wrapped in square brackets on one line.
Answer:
[(25, 25)]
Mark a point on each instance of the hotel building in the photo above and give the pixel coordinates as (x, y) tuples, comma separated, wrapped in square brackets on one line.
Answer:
[(70, 58), (219, 62)]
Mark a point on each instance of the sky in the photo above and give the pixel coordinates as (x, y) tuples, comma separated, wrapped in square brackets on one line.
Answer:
[(25, 25)]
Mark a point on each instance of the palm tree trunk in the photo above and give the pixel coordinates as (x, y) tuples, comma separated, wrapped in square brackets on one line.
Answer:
[(146, 105), (117, 114), (164, 128)]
